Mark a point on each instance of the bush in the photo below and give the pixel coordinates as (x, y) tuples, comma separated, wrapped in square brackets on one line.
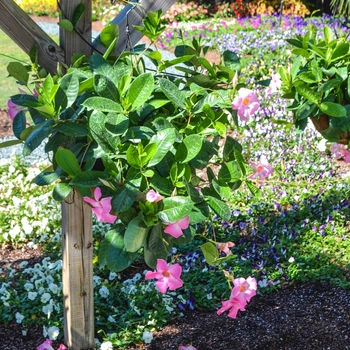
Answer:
[(290, 7), (38, 7)]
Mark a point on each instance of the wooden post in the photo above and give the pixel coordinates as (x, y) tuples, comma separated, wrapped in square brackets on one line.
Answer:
[(77, 242), (27, 34), (133, 15), (77, 251)]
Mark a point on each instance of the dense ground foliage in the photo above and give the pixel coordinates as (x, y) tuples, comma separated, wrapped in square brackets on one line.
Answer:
[(296, 230)]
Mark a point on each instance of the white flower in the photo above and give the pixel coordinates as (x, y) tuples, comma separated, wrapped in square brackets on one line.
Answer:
[(97, 281), (291, 259), (23, 264), (14, 231), (19, 317), (45, 298), (32, 295), (47, 309), (104, 292), (28, 286), (112, 276), (111, 319), (53, 332), (147, 337), (53, 287), (107, 345)]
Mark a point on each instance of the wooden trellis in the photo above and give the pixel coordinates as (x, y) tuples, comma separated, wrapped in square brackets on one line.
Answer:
[(77, 238)]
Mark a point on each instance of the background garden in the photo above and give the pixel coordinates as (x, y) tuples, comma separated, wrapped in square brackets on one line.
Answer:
[(295, 230)]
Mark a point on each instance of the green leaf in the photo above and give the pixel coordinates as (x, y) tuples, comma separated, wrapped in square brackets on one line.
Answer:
[(10, 143), (61, 191), (210, 252), (164, 139), (123, 199), (89, 178), (140, 90), (109, 34), (231, 60), (172, 92), (113, 253), (219, 207), (78, 14), (305, 91), (117, 123), (175, 208), (37, 136), (135, 235), (333, 109), (105, 87), (101, 104), (67, 161), (46, 177), (220, 128), (66, 25), (18, 71), (189, 148), (340, 51), (19, 124), (72, 128), (70, 85), (230, 172)]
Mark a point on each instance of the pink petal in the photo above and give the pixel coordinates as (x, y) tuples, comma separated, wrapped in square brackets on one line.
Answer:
[(174, 283), (161, 266), (173, 230), (175, 270), (162, 285), (97, 193), (91, 201), (184, 222)]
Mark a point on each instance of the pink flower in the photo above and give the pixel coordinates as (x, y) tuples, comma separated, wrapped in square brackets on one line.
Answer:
[(275, 84), (243, 291), (13, 109), (246, 103), (225, 247), (46, 345), (62, 347), (153, 196), (175, 228), (102, 207), (339, 151), (262, 169), (168, 276), (187, 347)]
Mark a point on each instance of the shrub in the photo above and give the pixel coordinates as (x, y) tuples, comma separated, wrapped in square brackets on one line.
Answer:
[(290, 7), (189, 11), (38, 7)]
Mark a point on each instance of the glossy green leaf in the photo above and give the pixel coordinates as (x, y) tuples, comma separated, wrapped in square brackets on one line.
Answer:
[(231, 60), (102, 104), (89, 178), (61, 191), (105, 87), (123, 199), (189, 148), (210, 252), (140, 90), (19, 124), (172, 92), (175, 208), (164, 139), (333, 109), (70, 85), (67, 161), (66, 25), (72, 128), (219, 207), (78, 14), (230, 172), (18, 71), (135, 235), (109, 34)]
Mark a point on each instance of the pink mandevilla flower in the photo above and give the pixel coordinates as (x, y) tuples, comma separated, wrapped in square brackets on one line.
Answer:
[(14, 109), (153, 196), (62, 347), (243, 291), (246, 103), (168, 276), (187, 347), (339, 151), (102, 207), (262, 169), (175, 228), (46, 345)]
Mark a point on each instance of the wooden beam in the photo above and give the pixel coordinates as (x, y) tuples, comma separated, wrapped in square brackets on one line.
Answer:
[(27, 34), (78, 41), (133, 15), (77, 255)]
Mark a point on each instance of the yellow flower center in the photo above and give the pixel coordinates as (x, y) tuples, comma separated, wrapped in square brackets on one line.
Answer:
[(259, 168), (241, 289), (245, 101), (166, 274)]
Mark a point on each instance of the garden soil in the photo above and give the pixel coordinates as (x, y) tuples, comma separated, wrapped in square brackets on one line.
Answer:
[(312, 316)]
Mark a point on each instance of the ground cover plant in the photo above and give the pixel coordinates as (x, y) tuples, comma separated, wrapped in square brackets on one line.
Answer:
[(296, 230)]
